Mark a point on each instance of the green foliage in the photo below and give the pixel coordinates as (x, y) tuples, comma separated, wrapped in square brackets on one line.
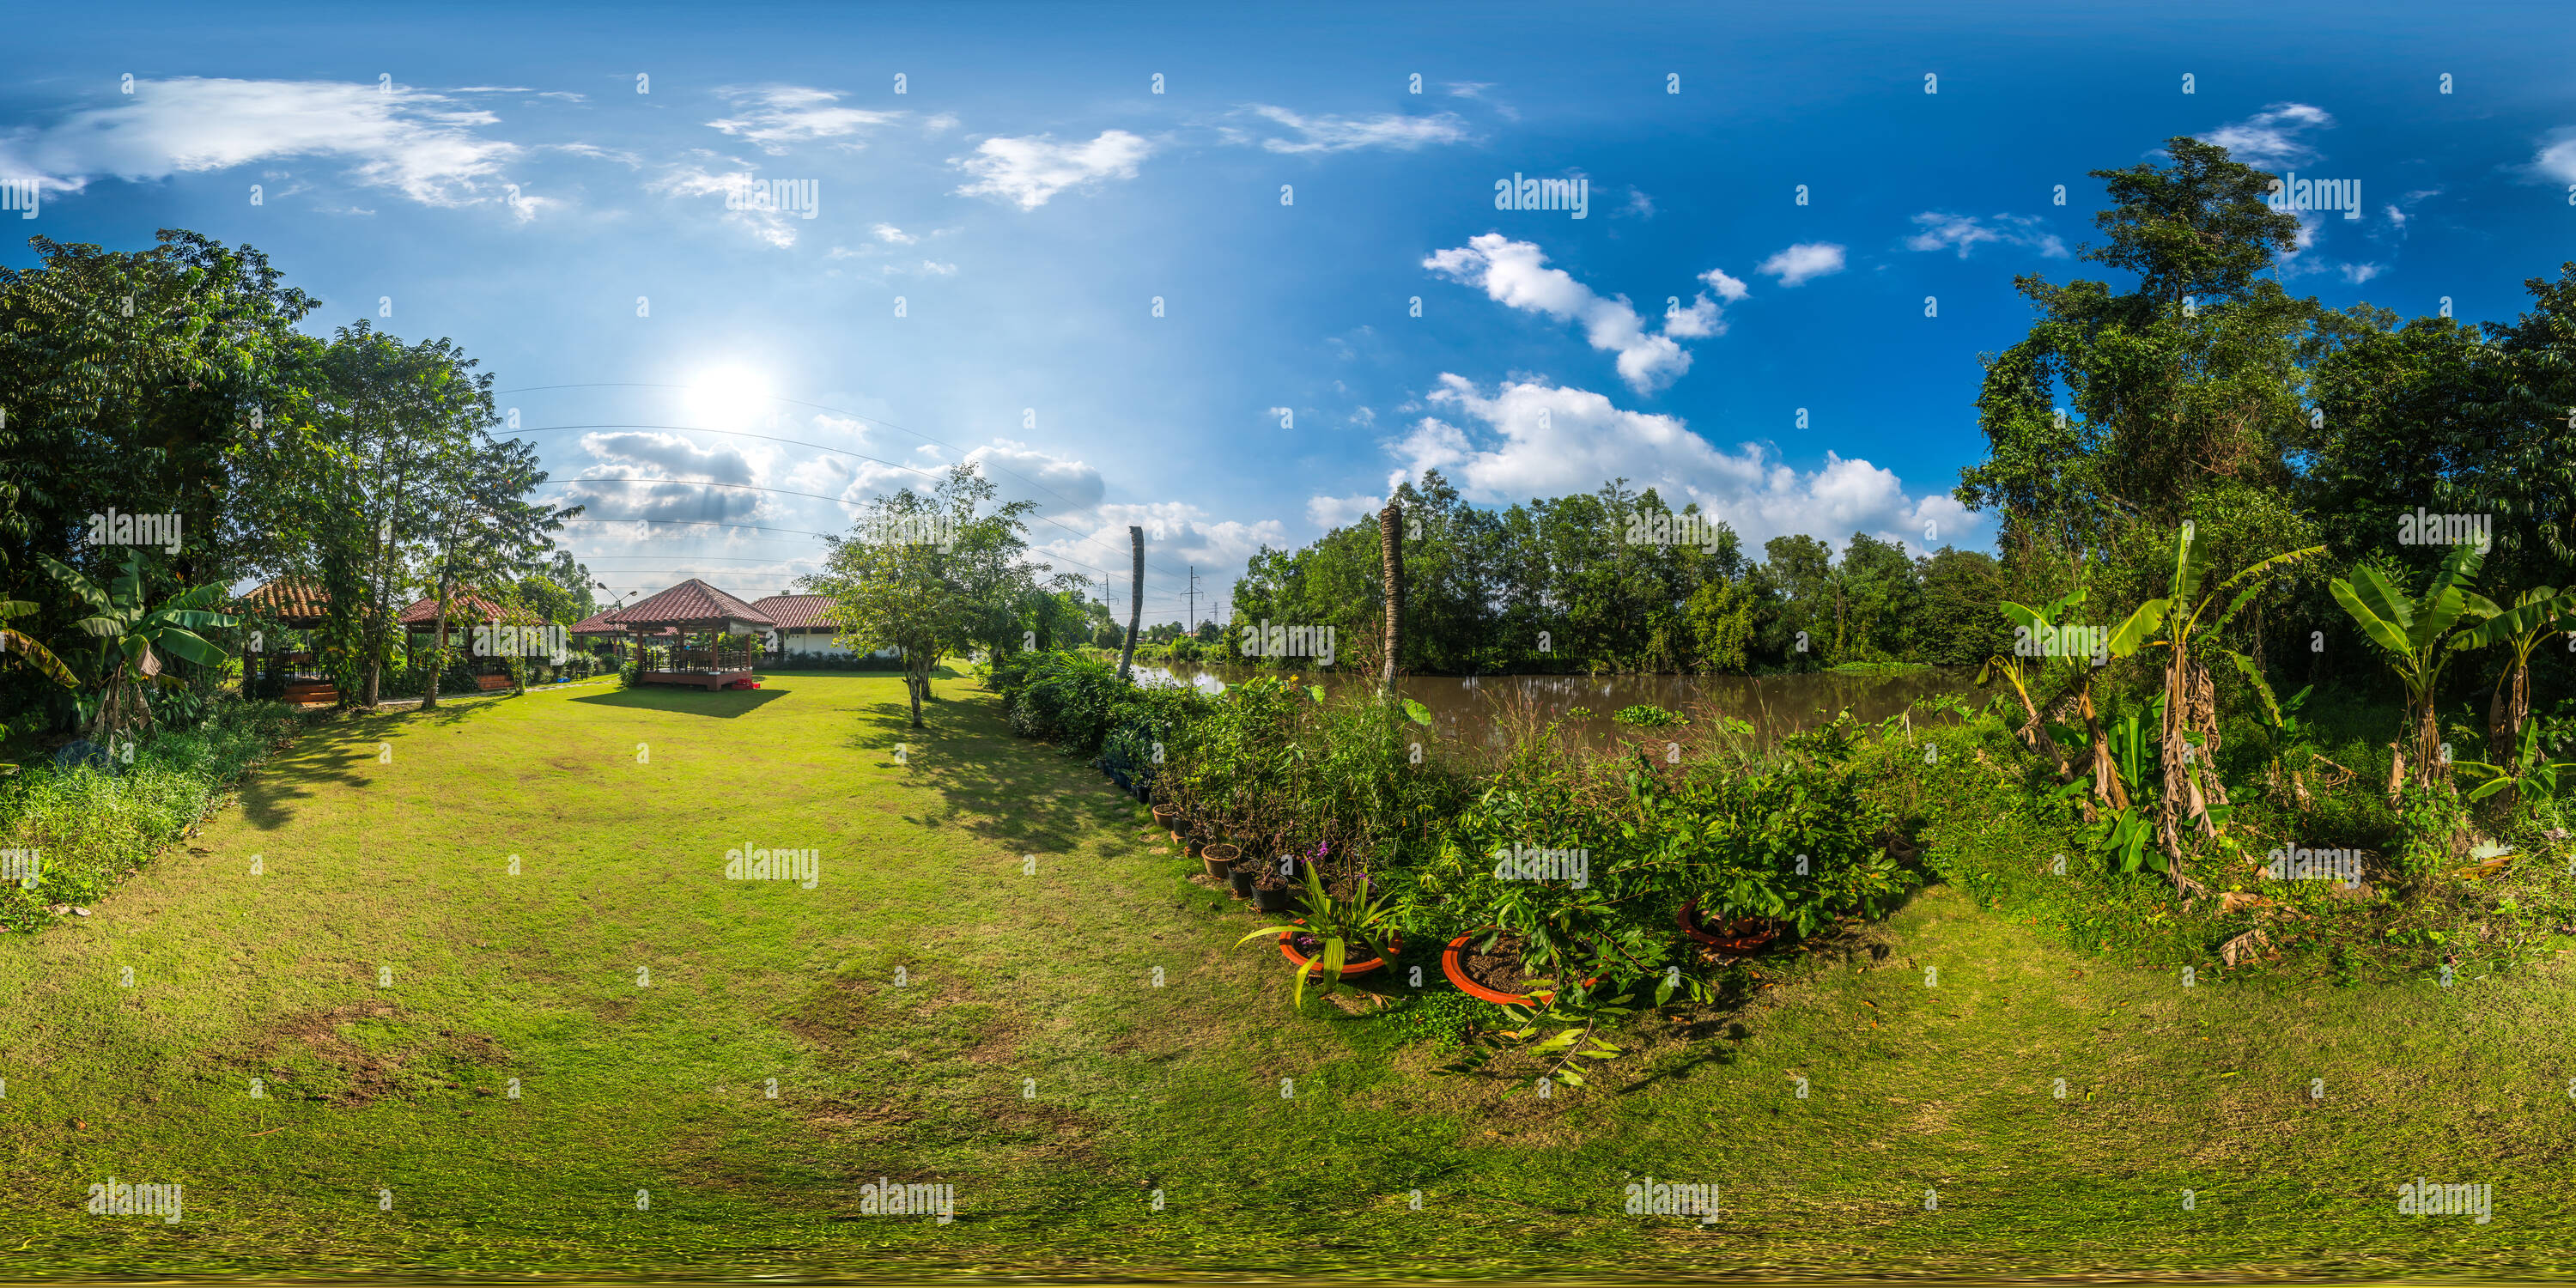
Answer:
[(91, 829), (1649, 715)]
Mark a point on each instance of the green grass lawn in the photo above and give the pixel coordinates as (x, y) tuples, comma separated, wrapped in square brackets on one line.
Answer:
[(932, 1011)]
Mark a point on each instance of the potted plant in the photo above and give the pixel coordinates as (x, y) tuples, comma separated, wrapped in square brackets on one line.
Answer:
[(1494, 969), (1334, 931), (1219, 859), (1270, 892), (1240, 876), (1168, 818)]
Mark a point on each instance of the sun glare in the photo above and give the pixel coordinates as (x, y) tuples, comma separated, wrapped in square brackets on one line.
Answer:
[(727, 397)]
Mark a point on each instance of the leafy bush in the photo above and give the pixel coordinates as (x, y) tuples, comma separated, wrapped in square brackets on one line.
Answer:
[(1649, 715), (90, 828)]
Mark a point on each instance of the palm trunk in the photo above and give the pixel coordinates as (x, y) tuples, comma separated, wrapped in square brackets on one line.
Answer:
[(1390, 525), (1135, 600)]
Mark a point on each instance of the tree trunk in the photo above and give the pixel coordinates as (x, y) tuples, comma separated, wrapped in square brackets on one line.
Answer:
[(429, 701), (913, 683), (1390, 528), (1135, 601)]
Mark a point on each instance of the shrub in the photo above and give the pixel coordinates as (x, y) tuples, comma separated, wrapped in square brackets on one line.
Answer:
[(90, 828)]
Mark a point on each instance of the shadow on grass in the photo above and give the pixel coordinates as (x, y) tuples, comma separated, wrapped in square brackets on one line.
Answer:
[(724, 704), (1027, 796)]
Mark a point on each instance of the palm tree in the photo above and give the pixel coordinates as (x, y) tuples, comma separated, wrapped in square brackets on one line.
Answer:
[(2418, 638), (132, 636)]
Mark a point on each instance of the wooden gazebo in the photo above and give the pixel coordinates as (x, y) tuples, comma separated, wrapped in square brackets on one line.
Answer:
[(465, 611), (297, 604), (694, 608)]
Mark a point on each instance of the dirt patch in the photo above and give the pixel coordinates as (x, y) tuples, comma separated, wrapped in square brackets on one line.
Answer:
[(852, 1020), (355, 1055)]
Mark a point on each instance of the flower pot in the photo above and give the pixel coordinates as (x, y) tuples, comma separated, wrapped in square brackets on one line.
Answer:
[(1288, 949), (1741, 937), (1168, 818), (1270, 894), (1453, 963), (1239, 878), (1219, 859)]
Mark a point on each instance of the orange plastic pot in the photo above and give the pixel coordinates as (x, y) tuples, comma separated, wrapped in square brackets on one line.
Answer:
[(1453, 964), (1742, 937), (1394, 944)]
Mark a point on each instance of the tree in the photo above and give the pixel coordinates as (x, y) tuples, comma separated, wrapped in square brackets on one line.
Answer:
[(2536, 615), (2120, 406), (131, 637), (2192, 791), (2417, 635), (928, 575)]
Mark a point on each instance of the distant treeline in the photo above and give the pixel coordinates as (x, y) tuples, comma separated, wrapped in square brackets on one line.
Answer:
[(1617, 580)]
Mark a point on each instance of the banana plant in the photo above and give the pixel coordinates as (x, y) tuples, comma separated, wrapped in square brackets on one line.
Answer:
[(2536, 615), (2193, 796), (2418, 637), (2022, 667), (2527, 774), (28, 649), (130, 638)]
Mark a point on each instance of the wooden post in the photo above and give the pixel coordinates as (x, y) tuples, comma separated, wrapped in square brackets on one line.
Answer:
[(1135, 601), (1390, 530)]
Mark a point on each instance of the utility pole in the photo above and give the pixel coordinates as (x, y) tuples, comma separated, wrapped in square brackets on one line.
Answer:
[(1192, 630)]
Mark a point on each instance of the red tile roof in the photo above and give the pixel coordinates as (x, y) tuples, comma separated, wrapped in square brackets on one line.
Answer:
[(691, 603), (461, 607), (289, 599), (603, 622), (792, 611)]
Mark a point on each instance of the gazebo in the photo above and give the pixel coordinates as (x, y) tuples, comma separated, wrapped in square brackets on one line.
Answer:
[(465, 610), (694, 608), (297, 604)]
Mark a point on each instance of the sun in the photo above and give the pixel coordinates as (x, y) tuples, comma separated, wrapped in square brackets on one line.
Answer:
[(731, 396)]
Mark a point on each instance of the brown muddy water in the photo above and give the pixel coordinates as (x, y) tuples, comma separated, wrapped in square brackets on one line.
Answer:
[(1465, 708)]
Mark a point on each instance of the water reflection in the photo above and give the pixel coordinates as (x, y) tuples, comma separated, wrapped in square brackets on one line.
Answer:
[(1465, 707)]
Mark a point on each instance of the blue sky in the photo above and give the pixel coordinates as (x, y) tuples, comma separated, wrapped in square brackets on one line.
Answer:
[(492, 174)]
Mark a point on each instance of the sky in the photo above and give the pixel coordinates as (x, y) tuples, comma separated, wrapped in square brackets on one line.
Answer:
[(1231, 274)]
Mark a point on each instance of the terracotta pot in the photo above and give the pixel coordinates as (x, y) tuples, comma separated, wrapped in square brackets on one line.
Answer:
[(1741, 937), (1394, 944), (1453, 963), (1219, 859)]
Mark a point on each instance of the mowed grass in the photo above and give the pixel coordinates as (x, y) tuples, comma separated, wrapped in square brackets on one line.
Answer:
[(935, 1011)]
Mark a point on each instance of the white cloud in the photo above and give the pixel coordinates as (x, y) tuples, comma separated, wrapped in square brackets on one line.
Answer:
[(1728, 288), (1029, 171), (2272, 138), (1514, 273), (420, 144), (1803, 262), (777, 227), (1965, 232), (2556, 159), (775, 116), (1531, 439), (894, 235), (1639, 204), (2360, 273), (1331, 512), (1350, 133)]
